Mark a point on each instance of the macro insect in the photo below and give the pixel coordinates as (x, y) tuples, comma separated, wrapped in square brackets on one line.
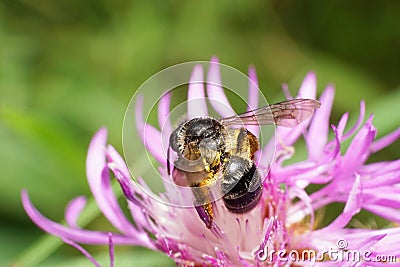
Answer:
[(221, 151)]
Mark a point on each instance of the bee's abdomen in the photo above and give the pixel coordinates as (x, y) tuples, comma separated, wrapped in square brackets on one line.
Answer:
[(241, 185)]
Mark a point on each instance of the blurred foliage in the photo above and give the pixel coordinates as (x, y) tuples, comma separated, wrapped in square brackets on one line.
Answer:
[(69, 67)]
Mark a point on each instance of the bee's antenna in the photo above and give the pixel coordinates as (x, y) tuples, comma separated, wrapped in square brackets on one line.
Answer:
[(168, 162)]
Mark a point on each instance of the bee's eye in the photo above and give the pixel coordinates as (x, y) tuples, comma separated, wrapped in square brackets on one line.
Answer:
[(173, 141)]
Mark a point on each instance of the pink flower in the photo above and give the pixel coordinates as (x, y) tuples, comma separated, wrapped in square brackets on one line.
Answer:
[(282, 229)]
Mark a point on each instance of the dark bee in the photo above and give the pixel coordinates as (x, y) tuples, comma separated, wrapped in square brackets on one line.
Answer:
[(208, 149)]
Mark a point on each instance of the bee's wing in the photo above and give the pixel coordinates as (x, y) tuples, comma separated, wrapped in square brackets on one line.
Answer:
[(287, 113)]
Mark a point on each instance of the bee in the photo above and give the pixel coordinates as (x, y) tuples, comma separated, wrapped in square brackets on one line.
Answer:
[(221, 152)]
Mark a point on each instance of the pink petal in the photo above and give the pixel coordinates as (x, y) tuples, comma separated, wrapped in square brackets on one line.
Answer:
[(215, 92), (285, 89), (305, 198), (290, 135), (73, 211), (359, 149), (316, 175), (129, 188), (138, 215), (342, 124), (383, 167), (149, 135), (366, 244), (386, 245), (338, 131), (358, 123), (265, 157), (134, 193), (76, 235), (252, 100), (99, 182), (82, 250), (114, 157), (366, 233), (391, 178), (385, 141), (267, 228), (333, 147), (95, 160), (391, 214), (352, 207), (389, 196), (308, 88), (318, 131), (197, 106), (375, 263), (163, 117)]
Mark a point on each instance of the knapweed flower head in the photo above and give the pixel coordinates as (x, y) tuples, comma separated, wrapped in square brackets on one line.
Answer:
[(282, 229)]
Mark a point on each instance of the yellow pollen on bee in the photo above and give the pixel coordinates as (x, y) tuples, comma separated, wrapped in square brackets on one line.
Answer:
[(207, 167), (203, 184)]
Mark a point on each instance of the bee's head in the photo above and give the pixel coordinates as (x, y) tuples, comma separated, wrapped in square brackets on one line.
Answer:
[(175, 143)]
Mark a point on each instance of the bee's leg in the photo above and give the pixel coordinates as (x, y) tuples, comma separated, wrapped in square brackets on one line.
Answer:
[(203, 195), (209, 153)]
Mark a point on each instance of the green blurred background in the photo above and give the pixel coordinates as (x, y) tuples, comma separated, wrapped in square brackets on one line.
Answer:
[(69, 67)]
